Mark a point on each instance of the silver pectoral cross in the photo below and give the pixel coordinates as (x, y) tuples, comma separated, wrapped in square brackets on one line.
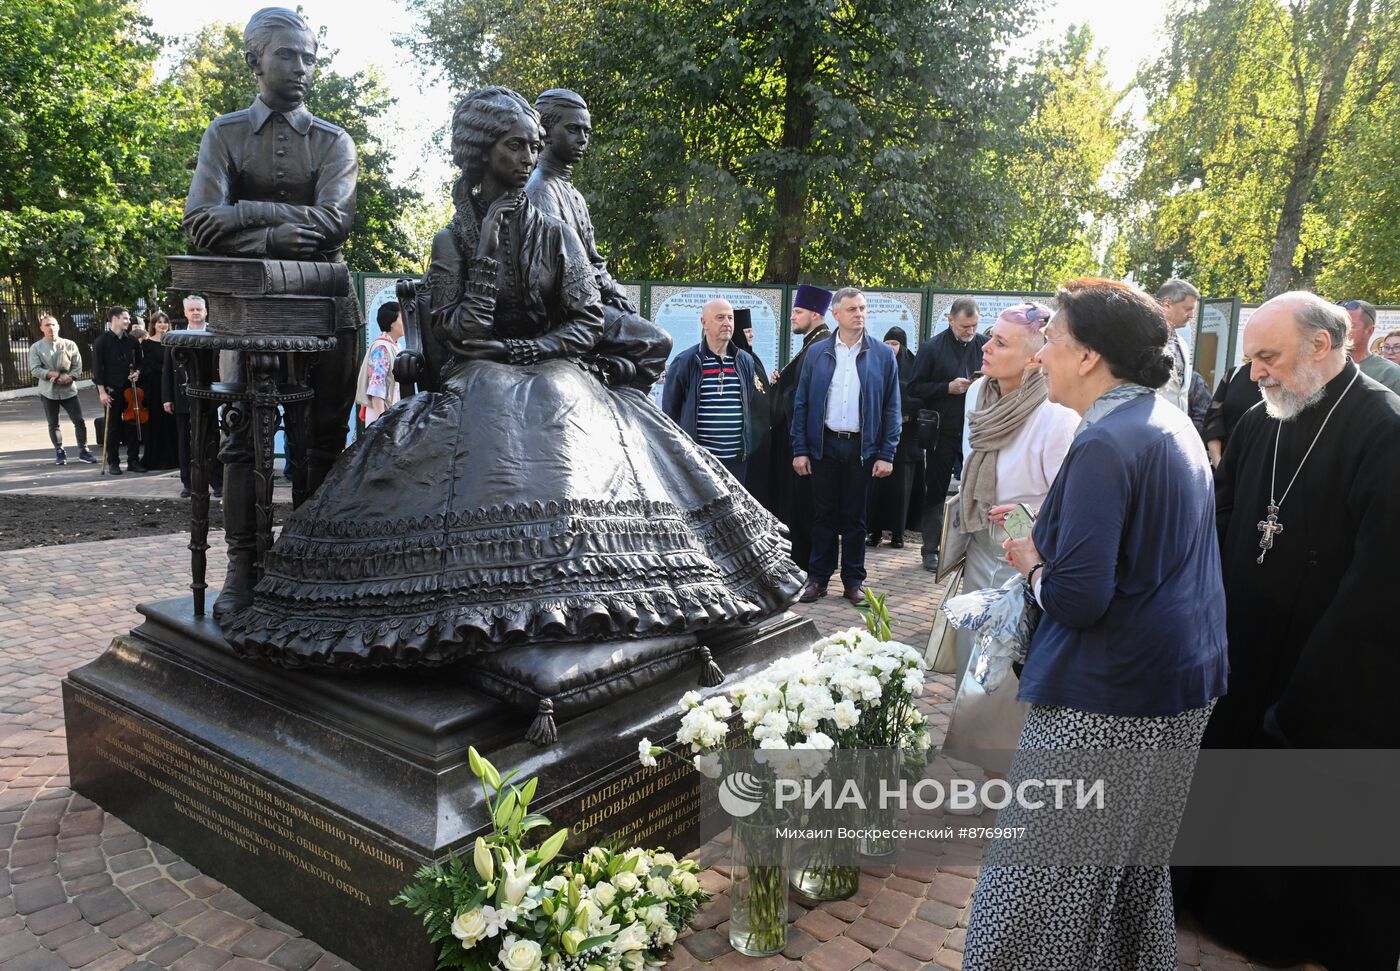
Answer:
[(1270, 527)]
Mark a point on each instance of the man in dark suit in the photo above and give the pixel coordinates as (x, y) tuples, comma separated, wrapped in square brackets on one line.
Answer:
[(791, 494), (173, 400), (943, 371)]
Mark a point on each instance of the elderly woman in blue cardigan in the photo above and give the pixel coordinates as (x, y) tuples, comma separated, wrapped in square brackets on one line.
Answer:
[(1130, 653)]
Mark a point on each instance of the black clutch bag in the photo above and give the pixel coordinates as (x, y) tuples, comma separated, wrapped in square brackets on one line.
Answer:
[(929, 423)]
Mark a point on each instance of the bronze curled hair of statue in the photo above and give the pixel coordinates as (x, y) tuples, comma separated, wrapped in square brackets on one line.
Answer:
[(479, 121)]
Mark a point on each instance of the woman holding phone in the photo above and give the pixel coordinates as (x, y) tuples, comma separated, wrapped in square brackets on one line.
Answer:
[(1130, 652), (1014, 439)]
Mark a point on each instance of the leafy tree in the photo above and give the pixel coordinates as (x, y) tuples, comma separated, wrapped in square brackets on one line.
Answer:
[(85, 202), (1246, 110), (784, 139), (1061, 209)]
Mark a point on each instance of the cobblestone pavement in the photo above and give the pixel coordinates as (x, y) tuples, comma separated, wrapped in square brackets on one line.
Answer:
[(80, 889)]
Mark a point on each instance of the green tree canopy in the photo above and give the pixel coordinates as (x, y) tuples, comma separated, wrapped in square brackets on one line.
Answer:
[(86, 192), (780, 139), (1251, 109)]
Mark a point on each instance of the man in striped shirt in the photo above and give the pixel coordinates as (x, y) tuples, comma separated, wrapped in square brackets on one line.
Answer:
[(711, 391)]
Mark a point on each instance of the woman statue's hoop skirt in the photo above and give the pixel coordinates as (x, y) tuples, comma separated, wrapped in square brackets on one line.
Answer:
[(527, 500)]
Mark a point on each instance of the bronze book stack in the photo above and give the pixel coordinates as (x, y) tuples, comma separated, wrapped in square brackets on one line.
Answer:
[(263, 297)]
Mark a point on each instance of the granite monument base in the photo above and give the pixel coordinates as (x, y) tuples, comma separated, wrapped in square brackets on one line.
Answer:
[(317, 796)]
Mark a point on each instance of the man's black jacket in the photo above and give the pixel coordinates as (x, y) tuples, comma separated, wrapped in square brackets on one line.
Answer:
[(940, 361)]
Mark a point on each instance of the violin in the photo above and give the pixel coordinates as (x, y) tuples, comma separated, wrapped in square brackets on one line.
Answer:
[(135, 412)]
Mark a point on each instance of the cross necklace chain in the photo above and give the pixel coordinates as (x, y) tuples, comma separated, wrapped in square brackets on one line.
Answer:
[(1269, 525)]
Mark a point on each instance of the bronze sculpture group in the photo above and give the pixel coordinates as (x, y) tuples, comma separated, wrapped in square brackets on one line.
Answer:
[(531, 495)]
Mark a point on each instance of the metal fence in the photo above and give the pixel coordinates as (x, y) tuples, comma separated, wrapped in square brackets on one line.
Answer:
[(19, 322)]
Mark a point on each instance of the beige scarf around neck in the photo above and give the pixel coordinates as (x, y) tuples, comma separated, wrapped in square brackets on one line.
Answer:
[(991, 428)]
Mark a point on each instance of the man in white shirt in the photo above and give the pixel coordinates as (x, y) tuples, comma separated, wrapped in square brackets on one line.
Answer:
[(1179, 300), (845, 428)]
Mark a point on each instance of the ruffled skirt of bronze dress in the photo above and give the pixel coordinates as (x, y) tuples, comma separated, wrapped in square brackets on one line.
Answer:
[(525, 504)]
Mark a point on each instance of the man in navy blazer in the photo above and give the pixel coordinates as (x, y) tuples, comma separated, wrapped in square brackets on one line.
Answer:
[(845, 427)]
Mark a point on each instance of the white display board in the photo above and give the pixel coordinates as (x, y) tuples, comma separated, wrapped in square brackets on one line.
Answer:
[(883, 309), (989, 307), (675, 308)]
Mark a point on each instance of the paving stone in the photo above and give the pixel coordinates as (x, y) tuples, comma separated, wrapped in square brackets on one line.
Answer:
[(52, 918), (329, 962), (144, 936), (115, 961), (949, 958), (715, 913), (216, 928), (124, 922), (164, 855), (202, 958), (186, 911), (118, 845), (158, 896), (180, 870), (733, 961), (134, 878), (88, 883), (799, 942), (847, 910), (870, 933), (273, 924), (202, 887), (904, 885), (892, 907), (101, 905), (705, 945), (892, 960), (36, 960), (171, 951), (951, 889), (28, 874), (86, 949), (259, 943), (53, 940), (821, 925), (16, 941), (132, 860), (29, 852), (920, 940), (840, 954), (937, 912), (38, 894)]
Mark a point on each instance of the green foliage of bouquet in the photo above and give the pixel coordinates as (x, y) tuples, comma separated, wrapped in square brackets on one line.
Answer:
[(518, 909)]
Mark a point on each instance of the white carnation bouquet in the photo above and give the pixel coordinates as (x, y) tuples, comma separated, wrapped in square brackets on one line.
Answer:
[(517, 908), (852, 690)]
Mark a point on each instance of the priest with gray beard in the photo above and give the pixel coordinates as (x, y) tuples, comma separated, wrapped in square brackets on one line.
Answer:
[(1308, 509)]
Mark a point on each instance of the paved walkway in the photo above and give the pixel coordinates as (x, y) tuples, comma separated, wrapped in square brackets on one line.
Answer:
[(80, 889)]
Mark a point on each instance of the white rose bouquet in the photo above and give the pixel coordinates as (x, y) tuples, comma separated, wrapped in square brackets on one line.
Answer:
[(517, 908)]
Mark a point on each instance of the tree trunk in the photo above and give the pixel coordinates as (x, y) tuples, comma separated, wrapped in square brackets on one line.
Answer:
[(790, 187), (1310, 151)]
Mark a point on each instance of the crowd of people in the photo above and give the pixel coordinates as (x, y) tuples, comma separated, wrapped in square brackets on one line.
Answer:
[(1177, 610)]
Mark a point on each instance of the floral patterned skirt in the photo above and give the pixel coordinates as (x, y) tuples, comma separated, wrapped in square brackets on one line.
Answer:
[(1080, 918)]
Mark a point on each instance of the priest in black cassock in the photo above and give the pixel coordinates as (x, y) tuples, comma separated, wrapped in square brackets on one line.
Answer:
[(790, 494), (1308, 503)]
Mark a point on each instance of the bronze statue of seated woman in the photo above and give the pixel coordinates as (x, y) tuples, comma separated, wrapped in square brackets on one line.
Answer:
[(527, 504)]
